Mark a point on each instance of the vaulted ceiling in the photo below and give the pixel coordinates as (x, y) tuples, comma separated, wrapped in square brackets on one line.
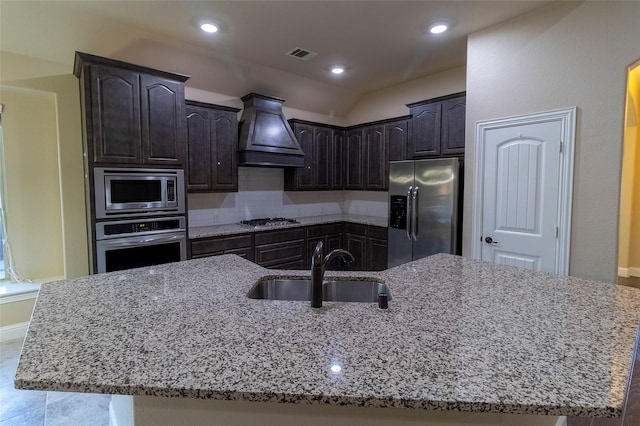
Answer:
[(383, 43)]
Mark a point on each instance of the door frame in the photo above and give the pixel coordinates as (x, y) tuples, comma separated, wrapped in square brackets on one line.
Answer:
[(567, 117)]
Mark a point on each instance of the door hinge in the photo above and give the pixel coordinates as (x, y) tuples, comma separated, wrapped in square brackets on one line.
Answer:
[(557, 232), (561, 146)]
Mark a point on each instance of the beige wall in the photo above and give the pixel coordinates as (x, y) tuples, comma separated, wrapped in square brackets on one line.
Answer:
[(563, 55), (33, 207), (392, 101), (46, 77)]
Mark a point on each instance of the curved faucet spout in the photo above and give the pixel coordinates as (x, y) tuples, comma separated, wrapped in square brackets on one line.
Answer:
[(318, 265), (348, 257)]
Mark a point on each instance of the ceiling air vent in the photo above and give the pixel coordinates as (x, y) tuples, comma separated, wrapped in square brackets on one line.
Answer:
[(302, 54)]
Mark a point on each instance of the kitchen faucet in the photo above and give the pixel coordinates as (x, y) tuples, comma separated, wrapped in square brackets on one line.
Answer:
[(318, 266)]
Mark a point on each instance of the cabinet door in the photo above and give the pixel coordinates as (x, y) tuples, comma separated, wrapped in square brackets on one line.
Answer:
[(224, 147), (304, 175), (353, 160), (453, 126), (322, 164), (115, 115), (337, 156), (397, 135), (334, 242), (377, 248), (375, 159), (425, 138), (199, 149), (163, 121), (357, 246)]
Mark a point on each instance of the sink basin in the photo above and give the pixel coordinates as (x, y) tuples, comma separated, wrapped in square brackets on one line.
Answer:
[(332, 291)]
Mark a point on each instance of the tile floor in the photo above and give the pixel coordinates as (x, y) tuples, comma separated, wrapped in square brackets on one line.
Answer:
[(39, 408)]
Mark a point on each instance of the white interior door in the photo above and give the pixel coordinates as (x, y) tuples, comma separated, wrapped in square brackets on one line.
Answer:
[(522, 192)]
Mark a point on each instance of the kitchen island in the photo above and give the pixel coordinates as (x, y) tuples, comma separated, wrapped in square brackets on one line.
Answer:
[(461, 341)]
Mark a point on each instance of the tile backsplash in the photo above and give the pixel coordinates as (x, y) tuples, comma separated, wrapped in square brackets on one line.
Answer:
[(261, 194)]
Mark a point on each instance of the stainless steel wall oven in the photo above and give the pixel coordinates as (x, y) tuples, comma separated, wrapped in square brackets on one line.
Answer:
[(142, 242)]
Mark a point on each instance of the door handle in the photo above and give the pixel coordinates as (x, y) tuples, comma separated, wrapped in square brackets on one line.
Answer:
[(489, 240), (409, 212), (414, 214)]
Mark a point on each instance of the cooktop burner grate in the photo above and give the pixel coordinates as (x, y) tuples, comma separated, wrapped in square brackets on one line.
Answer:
[(274, 221)]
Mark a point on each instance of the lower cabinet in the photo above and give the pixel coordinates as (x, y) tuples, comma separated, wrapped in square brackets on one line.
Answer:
[(281, 249), (293, 248), (331, 237), (241, 244), (368, 244)]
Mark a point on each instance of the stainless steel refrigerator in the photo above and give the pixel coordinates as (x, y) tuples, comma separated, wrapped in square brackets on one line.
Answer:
[(425, 211)]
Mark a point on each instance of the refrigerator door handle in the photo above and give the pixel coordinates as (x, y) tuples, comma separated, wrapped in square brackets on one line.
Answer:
[(414, 214), (409, 212)]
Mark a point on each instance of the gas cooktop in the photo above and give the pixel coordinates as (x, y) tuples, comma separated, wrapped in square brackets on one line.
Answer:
[(274, 221)]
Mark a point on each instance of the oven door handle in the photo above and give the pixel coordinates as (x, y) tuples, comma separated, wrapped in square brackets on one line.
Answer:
[(136, 242)]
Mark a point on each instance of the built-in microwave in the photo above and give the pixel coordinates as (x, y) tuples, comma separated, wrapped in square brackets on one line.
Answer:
[(124, 192)]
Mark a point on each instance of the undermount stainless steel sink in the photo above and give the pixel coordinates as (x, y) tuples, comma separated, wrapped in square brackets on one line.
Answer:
[(332, 291)]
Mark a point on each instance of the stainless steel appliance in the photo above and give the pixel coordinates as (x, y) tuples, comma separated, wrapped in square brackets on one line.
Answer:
[(125, 192), (142, 242), (425, 214)]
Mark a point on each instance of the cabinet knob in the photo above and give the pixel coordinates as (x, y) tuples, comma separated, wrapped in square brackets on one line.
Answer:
[(218, 163)]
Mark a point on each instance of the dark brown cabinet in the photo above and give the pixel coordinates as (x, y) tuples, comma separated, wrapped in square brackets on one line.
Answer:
[(377, 247), (375, 162), (293, 248), (353, 161), (337, 156), (438, 127), (281, 249), (453, 126), (331, 237), (368, 244), (355, 241), (132, 115), (397, 136), (241, 244), (212, 145), (318, 144)]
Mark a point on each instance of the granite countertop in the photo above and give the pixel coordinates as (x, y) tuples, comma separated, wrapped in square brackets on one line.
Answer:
[(234, 228), (459, 335)]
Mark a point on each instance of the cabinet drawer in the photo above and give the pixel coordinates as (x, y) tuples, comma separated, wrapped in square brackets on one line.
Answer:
[(278, 236), (279, 253), (246, 252), (220, 244), (322, 230), (378, 232)]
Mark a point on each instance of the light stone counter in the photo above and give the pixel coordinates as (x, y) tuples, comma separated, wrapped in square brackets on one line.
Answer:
[(459, 335), (234, 228)]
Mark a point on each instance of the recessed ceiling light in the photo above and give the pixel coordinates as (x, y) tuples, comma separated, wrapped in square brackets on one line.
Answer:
[(208, 27), (337, 69), (438, 27)]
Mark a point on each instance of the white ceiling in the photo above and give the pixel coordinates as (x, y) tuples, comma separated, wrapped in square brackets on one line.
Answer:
[(383, 42)]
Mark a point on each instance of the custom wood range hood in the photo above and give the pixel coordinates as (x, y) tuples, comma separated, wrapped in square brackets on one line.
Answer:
[(265, 138)]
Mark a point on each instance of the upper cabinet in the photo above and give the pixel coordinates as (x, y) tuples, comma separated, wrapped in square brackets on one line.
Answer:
[(375, 161), (320, 145), (131, 114), (353, 161), (438, 127), (212, 145)]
